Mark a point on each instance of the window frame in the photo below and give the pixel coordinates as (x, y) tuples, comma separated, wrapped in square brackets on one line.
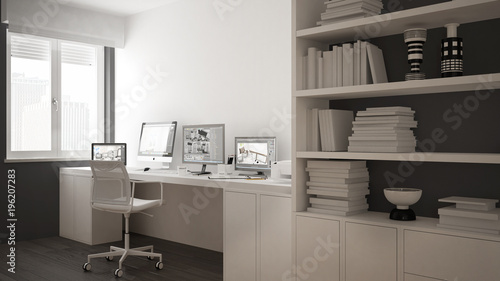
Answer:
[(56, 152)]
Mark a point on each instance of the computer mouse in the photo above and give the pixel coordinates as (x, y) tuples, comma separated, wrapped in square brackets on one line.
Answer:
[(146, 169)]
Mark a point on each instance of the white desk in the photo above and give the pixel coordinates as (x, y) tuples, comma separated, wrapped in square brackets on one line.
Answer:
[(250, 220)]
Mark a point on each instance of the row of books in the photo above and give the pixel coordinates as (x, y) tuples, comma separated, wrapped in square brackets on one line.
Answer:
[(341, 10), (470, 214), (349, 64), (329, 129), (337, 187), (383, 129)]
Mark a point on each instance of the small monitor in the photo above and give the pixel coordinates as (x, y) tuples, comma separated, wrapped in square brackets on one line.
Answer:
[(255, 153), (156, 142), (109, 152), (203, 144)]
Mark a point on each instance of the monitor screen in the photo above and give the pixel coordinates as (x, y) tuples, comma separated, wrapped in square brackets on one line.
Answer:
[(203, 144), (156, 142), (109, 152), (255, 153)]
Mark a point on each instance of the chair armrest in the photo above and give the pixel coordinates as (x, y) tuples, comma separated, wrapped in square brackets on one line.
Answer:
[(134, 182)]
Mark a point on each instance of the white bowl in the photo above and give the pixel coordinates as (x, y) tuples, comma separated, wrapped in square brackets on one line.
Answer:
[(403, 197)]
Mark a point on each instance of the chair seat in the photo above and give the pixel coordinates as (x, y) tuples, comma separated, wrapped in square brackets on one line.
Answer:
[(139, 205)]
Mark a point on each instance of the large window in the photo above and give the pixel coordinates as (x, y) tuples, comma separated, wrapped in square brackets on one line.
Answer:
[(55, 100)]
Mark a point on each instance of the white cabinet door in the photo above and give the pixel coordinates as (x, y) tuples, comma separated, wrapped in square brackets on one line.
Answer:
[(66, 206), (318, 249), (450, 257), (275, 237), (82, 210), (371, 252), (240, 236)]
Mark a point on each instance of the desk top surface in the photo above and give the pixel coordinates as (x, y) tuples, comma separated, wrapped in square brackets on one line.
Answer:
[(277, 186)]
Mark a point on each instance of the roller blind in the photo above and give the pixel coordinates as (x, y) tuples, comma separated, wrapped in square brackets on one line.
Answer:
[(54, 20), (30, 48)]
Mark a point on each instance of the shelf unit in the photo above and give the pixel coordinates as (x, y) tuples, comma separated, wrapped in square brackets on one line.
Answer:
[(306, 13), (305, 34)]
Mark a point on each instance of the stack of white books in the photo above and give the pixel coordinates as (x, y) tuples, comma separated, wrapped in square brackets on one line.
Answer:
[(470, 214), (383, 129), (341, 10), (337, 187)]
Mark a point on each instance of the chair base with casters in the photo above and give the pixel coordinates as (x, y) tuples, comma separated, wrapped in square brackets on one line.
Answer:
[(145, 251), (113, 191)]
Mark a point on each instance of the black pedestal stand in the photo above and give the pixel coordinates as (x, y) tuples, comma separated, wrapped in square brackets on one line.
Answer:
[(402, 215)]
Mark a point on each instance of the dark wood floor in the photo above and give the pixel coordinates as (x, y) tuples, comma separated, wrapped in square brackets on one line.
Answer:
[(58, 258)]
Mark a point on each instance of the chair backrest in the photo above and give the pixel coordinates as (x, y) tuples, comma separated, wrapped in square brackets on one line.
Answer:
[(111, 183)]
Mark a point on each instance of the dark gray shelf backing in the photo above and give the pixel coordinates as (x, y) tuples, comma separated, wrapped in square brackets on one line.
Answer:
[(437, 180), (481, 55), (478, 133)]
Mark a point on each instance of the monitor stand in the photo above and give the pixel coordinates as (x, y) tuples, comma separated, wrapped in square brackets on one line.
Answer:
[(202, 172)]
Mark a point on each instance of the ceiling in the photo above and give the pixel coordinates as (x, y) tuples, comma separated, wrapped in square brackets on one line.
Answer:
[(119, 7)]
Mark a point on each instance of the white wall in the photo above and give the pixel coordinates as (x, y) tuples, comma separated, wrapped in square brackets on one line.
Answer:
[(210, 61)]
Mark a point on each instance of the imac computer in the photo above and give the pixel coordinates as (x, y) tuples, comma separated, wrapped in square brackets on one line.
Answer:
[(255, 154), (156, 143), (203, 144)]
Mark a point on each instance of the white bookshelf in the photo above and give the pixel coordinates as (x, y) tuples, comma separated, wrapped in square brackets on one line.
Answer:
[(305, 34), (416, 87)]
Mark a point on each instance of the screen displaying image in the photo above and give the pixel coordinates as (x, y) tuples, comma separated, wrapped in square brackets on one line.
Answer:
[(109, 152), (203, 143), (255, 153)]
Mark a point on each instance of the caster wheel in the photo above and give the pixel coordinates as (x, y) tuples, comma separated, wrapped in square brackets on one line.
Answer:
[(159, 265), (87, 266), (150, 258), (118, 273), (109, 258)]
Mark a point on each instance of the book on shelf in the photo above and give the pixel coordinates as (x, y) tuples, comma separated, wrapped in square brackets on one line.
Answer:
[(338, 208), (469, 229), (336, 202), (315, 179), (340, 186), (378, 143), (393, 118), (336, 164), (469, 222), (411, 124), (381, 137), (333, 212), (335, 126), (311, 67), (384, 113), (470, 203), (313, 137), (365, 76), (339, 175), (328, 64), (333, 4), (384, 127), (338, 193), (391, 108), (493, 214), (381, 149), (340, 63), (347, 64), (336, 67), (362, 6), (341, 170), (377, 64), (319, 70), (357, 62)]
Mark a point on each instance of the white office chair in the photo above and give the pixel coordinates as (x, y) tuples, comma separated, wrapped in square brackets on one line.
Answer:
[(113, 191)]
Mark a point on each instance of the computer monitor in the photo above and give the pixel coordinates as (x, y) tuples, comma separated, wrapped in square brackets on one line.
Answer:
[(203, 144), (109, 152), (156, 143), (255, 153)]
